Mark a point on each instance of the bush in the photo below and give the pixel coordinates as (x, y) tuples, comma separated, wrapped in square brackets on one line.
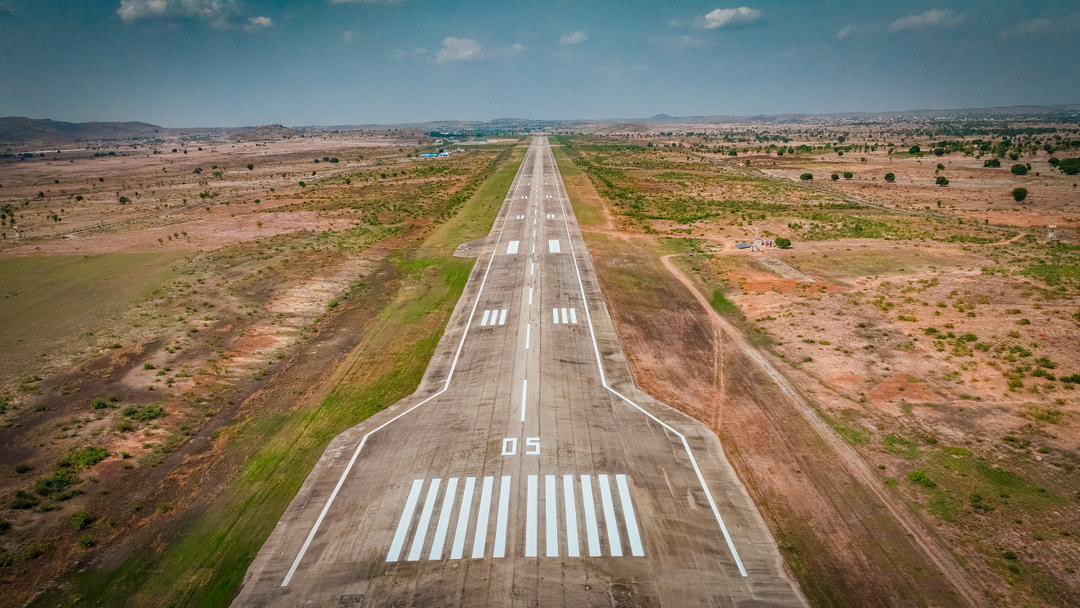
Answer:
[(23, 500), (782, 242), (806, 177), (144, 413), (81, 521), (913, 150), (920, 478), (942, 180), (992, 162), (83, 458), (1069, 166), (1019, 194), (58, 485), (848, 175), (890, 177), (835, 176), (1019, 169), (86, 542), (250, 166)]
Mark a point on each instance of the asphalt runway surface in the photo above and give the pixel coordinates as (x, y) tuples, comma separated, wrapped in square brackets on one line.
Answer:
[(527, 470)]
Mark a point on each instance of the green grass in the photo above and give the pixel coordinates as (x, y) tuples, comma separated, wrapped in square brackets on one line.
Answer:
[(206, 563), (47, 301), (722, 304)]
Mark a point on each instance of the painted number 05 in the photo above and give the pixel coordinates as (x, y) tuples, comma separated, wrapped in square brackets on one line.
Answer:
[(510, 446)]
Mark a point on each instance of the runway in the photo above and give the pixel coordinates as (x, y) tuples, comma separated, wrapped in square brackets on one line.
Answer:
[(527, 470)]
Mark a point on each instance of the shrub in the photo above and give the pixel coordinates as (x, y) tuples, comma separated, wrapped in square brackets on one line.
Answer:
[(100, 404), (848, 175), (992, 162), (124, 200), (806, 177), (783, 242), (250, 166), (1019, 169), (87, 541), (942, 180), (920, 478), (835, 176), (5, 525), (58, 485), (1069, 166), (83, 458), (144, 413), (914, 150), (890, 177), (23, 468), (81, 521), (1019, 194)]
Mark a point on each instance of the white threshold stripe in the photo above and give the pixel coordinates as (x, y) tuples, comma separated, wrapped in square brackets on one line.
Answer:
[(439, 541), (573, 316), (462, 530), (484, 321), (403, 523), (425, 520), (502, 317), (551, 517), (530, 518), (563, 198), (570, 513), (591, 533), (629, 517), (501, 518), (610, 525), (565, 316), (480, 534), (555, 315), (449, 376), (524, 397)]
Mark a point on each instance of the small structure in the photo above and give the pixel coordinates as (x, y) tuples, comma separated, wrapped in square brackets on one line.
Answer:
[(1051, 233)]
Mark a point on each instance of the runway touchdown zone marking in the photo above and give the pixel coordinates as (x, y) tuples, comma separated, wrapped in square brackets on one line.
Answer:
[(494, 317), (564, 316), (551, 498)]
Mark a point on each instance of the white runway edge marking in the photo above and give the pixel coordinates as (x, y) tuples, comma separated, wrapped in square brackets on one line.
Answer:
[(564, 316), (512, 247), (603, 381), (404, 522), (449, 376), (554, 246)]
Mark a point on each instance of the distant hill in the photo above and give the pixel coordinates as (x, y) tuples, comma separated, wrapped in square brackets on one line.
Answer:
[(22, 129)]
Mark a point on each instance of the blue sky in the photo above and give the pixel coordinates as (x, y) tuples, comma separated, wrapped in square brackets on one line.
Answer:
[(242, 62)]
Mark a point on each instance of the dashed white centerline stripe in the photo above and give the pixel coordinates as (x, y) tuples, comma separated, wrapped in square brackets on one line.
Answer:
[(629, 517), (425, 520), (444, 519), (528, 335), (551, 517), (530, 518), (501, 517), (524, 396), (480, 535), (463, 519), (530, 296), (570, 513), (591, 533), (403, 523)]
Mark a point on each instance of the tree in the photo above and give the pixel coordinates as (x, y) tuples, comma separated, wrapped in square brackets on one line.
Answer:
[(250, 166), (1019, 194), (942, 180), (835, 177), (806, 177), (1019, 169), (890, 177), (913, 150), (848, 175), (1069, 166), (782, 242), (992, 162)]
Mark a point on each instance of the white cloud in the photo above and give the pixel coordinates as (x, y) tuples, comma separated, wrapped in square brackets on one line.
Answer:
[(573, 38), (459, 49), (728, 17), (855, 29), (259, 23), (217, 13), (1027, 28), (932, 18), (348, 36), (516, 49)]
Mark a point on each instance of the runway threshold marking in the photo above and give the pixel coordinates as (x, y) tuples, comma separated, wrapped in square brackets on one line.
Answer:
[(564, 316), (556, 530), (494, 317)]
